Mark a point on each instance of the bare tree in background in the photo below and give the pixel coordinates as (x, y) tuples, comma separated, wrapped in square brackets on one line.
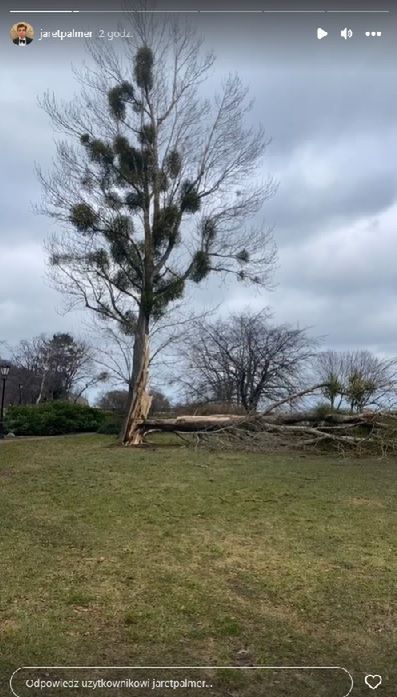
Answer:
[(245, 360), (59, 367), (118, 401), (27, 357), (357, 378), (329, 369), (114, 400), (113, 353), (158, 188), (369, 380)]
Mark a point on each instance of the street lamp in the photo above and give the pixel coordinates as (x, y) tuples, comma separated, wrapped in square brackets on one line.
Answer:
[(20, 387), (4, 370)]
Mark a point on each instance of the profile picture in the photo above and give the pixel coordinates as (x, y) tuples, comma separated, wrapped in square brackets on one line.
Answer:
[(22, 34)]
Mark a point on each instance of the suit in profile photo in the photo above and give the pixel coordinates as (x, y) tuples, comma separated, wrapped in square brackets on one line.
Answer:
[(22, 34)]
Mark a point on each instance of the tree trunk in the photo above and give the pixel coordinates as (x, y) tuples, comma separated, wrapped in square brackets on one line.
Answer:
[(42, 383), (140, 402)]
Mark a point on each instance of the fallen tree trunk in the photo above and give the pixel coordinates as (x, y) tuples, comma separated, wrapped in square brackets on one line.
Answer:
[(192, 424), (249, 424), (259, 433), (266, 430)]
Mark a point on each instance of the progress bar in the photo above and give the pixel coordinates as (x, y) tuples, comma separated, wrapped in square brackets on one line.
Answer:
[(199, 11)]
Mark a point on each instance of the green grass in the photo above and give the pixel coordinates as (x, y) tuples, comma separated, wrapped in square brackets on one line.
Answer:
[(172, 556)]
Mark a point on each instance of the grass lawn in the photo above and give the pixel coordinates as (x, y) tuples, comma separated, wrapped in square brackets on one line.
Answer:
[(170, 556)]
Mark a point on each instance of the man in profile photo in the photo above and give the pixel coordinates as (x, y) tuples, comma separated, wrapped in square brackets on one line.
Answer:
[(22, 39)]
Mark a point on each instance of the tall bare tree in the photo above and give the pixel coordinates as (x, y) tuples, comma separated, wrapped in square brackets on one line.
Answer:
[(159, 187), (245, 360)]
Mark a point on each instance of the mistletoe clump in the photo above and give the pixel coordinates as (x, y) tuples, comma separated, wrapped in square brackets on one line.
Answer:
[(165, 227), (173, 164), (200, 266), (190, 199), (99, 258), (83, 217), (135, 200), (118, 97), (243, 257), (100, 152), (166, 292), (144, 68), (147, 134)]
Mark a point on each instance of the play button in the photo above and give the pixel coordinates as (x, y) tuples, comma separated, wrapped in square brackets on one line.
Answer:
[(321, 33)]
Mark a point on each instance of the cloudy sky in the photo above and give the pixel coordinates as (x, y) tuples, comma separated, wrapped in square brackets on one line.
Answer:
[(330, 108)]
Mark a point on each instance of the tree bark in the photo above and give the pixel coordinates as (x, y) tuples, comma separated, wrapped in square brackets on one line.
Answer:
[(140, 403), (192, 424), (42, 384)]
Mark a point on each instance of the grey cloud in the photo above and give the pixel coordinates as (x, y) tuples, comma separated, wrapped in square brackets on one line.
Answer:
[(335, 215), (303, 103), (352, 257), (330, 151), (323, 191), (28, 306)]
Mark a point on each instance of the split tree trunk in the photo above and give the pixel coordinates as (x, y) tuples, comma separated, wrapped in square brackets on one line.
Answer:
[(133, 434)]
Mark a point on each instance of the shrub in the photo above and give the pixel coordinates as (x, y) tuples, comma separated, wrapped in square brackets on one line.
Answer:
[(111, 425), (53, 418), (322, 410)]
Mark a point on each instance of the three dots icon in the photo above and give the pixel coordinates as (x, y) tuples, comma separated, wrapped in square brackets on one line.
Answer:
[(373, 33)]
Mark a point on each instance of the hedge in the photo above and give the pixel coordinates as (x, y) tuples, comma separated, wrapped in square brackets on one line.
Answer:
[(52, 418)]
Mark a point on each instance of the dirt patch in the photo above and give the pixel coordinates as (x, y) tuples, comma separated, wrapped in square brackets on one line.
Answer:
[(367, 503), (8, 626)]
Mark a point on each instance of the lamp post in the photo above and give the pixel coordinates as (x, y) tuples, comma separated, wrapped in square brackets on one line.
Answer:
[(4, 370), (20, 387)]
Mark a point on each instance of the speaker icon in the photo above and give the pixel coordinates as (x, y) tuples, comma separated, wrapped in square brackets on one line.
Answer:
[(346, 33), (321, 33)]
